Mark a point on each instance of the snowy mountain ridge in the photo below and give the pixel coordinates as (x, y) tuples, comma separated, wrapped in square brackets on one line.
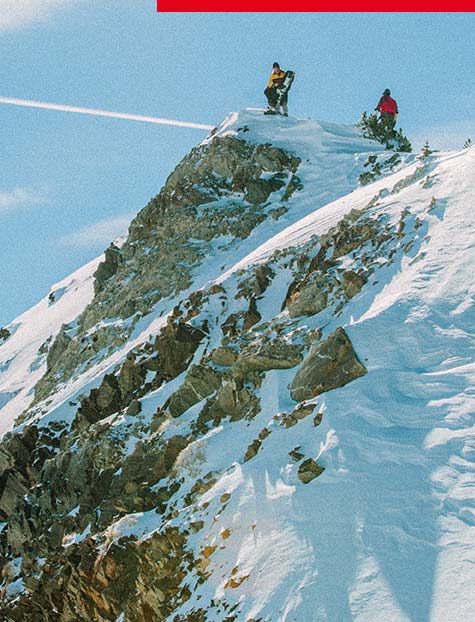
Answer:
[(289, 435)]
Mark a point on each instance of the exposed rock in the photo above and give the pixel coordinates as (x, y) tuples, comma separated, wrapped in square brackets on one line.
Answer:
[(256, 283), (176, 228), (4, 334), (256, 445), (107, 268), (200, 381), (58, 347), (101, 402), (352, 283), (302, 411), (223, 357), (252, 316), (230, 401), (12, 487), (175, 345), (258, 190), (134, 408), (295, 454), (131, 377), (309, 300), (268, 355), (309, 470), (252, 450), (294, 185), (317, 419), (240, 322), (331, 364)]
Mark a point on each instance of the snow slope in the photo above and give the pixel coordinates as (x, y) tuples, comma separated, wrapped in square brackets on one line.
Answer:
[(22, 363), (387, 532)]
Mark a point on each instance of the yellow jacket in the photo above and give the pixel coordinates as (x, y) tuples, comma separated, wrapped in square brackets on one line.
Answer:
[(276, 78)]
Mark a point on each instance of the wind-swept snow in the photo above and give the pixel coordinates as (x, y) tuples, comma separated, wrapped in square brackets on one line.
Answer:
[(22, 361)]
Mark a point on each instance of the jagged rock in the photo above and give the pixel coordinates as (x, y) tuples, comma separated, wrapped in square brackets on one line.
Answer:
[(352, 234), (242, 321), (175, 345), (257, 283), (223, 357), (107, 268), (295, 454), (256, 445), (268, 355), (131, 377), (227, 398), (200, 381), (149, 463), (4, 334), (352, 283), (134, 408), (331, 364), (176, 228), (317, 419), (101, 402), (258, 190), (57, 348), (252, 315), (12, 487), (230, 401), (302, 411), (309, 300), (294, 185), (252, 450), (309, 470)]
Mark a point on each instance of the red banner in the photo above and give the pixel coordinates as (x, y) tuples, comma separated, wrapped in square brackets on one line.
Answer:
[(279, 6)]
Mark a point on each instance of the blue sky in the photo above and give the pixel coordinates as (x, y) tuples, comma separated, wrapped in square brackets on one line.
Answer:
[(70, 183)]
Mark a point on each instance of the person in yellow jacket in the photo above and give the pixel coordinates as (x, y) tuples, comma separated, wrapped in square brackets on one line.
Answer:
[(275, 81)]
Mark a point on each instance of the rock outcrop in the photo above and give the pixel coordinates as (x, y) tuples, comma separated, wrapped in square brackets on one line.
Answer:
[(329, 365)]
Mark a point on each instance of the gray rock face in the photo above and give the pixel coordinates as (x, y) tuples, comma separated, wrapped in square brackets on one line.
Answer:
[(311, 300), (273, 355), (331, 364), (352, 283), (107, 268), (199, 382), (309, 470), (176, 228), (4, 334), (57, 348), (223, 357)]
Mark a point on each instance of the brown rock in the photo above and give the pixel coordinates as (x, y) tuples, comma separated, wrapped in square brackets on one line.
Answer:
[(331, 364), (309, 470)]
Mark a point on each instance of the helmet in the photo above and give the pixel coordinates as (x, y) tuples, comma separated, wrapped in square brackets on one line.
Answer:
[(276, 65), (387, 92)]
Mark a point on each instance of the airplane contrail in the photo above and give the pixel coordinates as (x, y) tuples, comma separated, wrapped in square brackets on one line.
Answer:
[(102, 113)]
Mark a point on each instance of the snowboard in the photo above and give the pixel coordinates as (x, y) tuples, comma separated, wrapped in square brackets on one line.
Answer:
[(281, 91)]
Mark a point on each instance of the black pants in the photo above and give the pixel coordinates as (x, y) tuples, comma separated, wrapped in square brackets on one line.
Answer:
[(272, 96), (388, 122)]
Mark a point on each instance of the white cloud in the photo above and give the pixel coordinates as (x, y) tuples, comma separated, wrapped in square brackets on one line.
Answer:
[(17, 13), (17, 198), (100, 233)]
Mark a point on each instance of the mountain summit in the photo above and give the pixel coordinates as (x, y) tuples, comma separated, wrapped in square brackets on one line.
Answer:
[(258, 406)]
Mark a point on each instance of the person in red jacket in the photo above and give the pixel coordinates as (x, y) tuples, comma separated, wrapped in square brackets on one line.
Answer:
[(387, 107)]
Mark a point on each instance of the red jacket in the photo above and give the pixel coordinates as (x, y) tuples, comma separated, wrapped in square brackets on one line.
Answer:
[(387, 104)]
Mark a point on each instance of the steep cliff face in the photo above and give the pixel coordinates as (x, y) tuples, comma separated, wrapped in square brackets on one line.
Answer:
[(279, 430)]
